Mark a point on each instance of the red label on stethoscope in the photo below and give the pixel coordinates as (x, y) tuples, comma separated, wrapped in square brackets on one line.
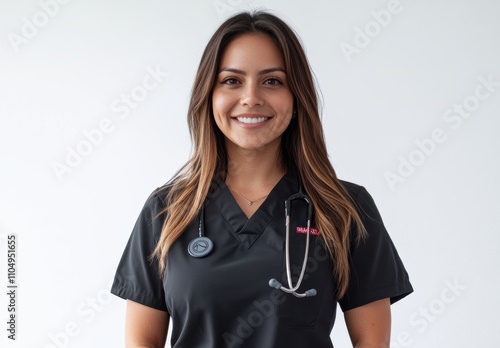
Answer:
[(303, 230)]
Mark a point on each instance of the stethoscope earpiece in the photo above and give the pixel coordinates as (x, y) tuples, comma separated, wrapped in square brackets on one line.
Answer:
[(273, 283)]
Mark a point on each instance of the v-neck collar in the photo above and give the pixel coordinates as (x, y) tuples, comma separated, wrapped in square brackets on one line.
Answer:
[(247, 230)]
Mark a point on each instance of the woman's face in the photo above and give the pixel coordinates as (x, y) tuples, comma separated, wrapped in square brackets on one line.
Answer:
[(252, 103)]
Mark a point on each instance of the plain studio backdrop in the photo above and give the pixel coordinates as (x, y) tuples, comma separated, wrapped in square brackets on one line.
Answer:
[(93, 100)]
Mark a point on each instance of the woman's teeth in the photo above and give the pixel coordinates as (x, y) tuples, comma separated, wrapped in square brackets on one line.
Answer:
[(251, 119)]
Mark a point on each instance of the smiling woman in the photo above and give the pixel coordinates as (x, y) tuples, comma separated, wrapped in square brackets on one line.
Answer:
[(212, 246), (252, 103)]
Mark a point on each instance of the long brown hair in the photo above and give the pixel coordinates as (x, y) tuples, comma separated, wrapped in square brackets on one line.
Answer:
[(302, 147)]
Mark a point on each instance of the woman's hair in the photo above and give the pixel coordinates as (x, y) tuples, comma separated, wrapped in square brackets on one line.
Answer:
[(302, 147)]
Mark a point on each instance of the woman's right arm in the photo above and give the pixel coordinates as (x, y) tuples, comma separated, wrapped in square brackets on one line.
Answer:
[(145, 327)]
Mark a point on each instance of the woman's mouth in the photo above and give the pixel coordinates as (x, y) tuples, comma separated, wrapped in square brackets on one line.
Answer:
[(252, 120)]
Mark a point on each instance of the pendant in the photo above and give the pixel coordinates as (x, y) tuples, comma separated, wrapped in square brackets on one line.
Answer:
[(250, 202), (200, 247)]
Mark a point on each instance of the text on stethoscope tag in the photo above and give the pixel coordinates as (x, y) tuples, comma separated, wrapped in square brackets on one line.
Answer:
[(303, 230)]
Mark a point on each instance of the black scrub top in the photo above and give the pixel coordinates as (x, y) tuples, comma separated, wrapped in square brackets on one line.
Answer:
[(224, 299)]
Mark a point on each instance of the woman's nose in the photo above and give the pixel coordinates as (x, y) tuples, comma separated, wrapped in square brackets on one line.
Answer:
[(251, 95)]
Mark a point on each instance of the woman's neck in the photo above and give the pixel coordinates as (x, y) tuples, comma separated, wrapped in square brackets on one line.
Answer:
[(251, 176), (254, 172)]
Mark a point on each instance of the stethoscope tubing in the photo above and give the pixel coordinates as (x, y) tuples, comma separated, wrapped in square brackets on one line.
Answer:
[(202, 246), (273, 282), (292, 288)]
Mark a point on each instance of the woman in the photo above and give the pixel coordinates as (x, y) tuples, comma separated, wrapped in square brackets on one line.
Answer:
[(212, 248)]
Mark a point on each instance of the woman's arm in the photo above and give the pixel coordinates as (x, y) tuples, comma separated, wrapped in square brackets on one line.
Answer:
[(145, 327), (370, 325)]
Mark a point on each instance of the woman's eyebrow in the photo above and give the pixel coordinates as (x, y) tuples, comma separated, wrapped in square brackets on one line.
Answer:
[(262, 72)]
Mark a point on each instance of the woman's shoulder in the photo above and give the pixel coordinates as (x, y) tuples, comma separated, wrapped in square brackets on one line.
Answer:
[(157, 199), (361, 198), (352, 188)]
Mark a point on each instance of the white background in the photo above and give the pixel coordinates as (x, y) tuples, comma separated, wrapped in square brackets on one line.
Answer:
[(61, 79)]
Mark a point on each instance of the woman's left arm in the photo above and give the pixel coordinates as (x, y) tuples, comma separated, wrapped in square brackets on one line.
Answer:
[(369, 326)]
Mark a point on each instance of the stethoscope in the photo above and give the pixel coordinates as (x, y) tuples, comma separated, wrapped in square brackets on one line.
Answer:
[(201, 246)]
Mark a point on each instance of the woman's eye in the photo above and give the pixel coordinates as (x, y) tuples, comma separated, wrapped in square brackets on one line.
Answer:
[(230, 81), (273, 81)]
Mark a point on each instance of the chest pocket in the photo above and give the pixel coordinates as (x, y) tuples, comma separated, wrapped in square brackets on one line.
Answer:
[(304, 312), (300, 312)]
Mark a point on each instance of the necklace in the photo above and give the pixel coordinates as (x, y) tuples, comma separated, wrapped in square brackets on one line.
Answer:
[(249, 202)]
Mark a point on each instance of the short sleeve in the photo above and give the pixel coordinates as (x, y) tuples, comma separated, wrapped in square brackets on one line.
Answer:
[(376, 270), (137, 276)]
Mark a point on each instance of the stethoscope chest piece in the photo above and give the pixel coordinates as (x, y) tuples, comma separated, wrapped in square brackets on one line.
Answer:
[(200, 247)]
